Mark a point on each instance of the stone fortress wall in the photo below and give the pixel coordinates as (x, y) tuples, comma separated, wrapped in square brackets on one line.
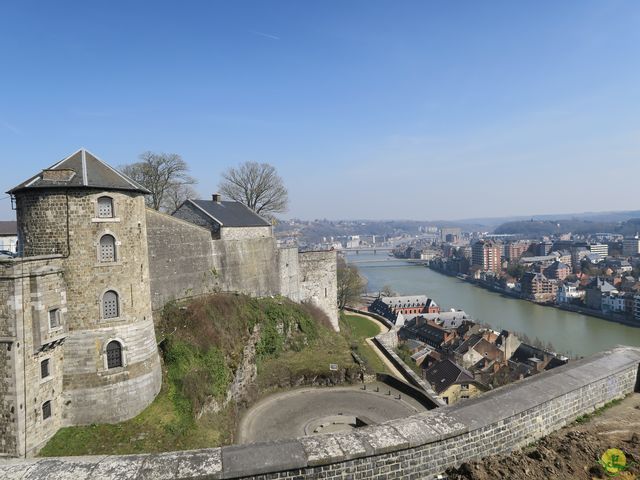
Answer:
[(26, 289), (420, 446), (52, 301), (184, 261)]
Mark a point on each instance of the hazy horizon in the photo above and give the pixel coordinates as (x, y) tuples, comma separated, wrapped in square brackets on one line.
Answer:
[(413, 110)]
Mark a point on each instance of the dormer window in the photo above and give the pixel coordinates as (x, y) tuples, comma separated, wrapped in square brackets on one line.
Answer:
[(105, 207)]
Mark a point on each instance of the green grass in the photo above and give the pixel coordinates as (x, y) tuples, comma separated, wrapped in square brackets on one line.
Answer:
[(598, 411), (160, 427), (405, 355), (201, 342), (292, 367), (361, 327), (356, 329)]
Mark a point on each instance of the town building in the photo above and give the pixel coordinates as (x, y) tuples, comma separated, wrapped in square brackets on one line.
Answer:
[(557, 270), (9, 236), (569, 293), (594, 292), (450, 234), (514, 250), (486, 255), (600, 249), (227, 220), (631, 246), (616, 302), (391, 307), (451, 382), (537, 287)]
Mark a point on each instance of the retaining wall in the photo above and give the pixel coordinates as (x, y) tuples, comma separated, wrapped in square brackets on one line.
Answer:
[(420, 446)]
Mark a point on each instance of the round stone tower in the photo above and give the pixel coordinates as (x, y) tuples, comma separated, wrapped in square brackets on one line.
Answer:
[(94, 217)]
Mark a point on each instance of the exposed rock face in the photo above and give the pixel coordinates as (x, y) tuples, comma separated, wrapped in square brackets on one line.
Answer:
[(243, 380)]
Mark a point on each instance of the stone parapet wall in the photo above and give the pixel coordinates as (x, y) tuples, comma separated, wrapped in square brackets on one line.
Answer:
[(420, 446), (180, 259), (185, 262), (248, 266)]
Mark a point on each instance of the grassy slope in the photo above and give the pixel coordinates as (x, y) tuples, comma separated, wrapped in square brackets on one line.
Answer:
[(202, 344), (356, 329)]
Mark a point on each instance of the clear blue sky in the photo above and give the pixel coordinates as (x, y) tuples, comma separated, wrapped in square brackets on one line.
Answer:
[(368, 109)]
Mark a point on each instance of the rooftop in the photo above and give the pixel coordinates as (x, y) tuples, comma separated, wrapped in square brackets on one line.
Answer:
[(230, 214), (82, 169), (8, 227)]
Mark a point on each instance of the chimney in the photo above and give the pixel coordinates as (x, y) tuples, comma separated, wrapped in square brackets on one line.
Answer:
[(216, 197)]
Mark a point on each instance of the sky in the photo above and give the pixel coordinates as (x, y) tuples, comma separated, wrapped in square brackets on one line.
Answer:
[(368, 109)]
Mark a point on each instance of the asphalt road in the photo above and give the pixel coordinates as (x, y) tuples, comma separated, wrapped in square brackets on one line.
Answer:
[(284, 415)]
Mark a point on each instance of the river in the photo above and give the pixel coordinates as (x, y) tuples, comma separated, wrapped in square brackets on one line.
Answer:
[(570, 333)]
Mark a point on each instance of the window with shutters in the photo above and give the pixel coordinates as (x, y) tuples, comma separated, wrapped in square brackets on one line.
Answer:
[(110, 307), (107, 249), (114, 354), (105, 207), (46, 409)]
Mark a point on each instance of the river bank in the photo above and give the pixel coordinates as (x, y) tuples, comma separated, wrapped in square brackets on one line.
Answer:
[(571, 333), (568, 307)]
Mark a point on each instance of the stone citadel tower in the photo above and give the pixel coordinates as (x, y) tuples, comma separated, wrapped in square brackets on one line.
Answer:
[(81, 308)]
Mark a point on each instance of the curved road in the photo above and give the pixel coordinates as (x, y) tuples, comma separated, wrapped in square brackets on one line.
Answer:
[(285, 415)]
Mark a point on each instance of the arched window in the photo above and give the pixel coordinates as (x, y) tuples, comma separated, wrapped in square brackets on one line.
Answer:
[(105, 207), (107, 251), (110, 305), (46, 409), (114, 354)]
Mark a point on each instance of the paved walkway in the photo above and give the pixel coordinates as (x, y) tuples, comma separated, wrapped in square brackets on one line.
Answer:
[(285, 415)]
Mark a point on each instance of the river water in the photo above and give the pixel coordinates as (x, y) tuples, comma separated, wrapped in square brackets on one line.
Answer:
[(568, 332)]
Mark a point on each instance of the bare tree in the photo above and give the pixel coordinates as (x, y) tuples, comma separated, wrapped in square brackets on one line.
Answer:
[(258, 186), (175, 195), (350, 284), (387, 291), (166, 176)]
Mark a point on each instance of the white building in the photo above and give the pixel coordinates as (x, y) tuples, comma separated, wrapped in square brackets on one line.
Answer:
[(8, 236), (613, 303), (568, 293), (601, 249)]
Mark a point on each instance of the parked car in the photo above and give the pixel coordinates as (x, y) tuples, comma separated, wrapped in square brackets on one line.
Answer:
[(7, 254)]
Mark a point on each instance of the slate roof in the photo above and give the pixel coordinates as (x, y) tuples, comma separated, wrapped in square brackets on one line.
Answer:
[(433, 336), (80, 170), (406, 301), (445, 373), (8, 227), (230, 214), (526, 352)]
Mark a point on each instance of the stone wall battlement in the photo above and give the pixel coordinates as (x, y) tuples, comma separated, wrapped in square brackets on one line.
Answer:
[(420, 446)]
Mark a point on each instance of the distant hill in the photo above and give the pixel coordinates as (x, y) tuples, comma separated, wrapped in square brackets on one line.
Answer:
[(605, 217), (574, 225)]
